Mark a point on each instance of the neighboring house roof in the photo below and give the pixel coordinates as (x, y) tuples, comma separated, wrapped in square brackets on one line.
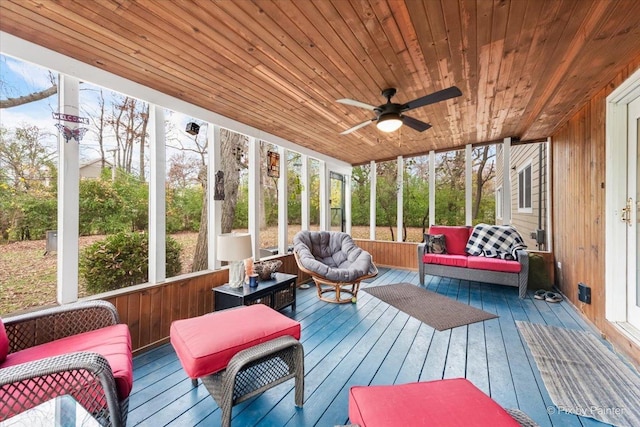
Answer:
[(93, 168), (88, 163)]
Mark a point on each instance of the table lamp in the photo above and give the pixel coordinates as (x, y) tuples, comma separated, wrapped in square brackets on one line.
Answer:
[(235, 248)]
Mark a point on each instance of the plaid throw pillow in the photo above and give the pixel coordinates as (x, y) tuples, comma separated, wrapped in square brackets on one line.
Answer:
[(495, 241), (435, 243)]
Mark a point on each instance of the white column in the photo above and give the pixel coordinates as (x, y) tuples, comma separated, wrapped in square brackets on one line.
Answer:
[(468, 187), (254, 195), (432, 188), (305, 196), (325, 196), (68, 196), (400, 198), (372, 200), (283, 211), (214, 212), (506, 181), (157, 199), (347, 204)]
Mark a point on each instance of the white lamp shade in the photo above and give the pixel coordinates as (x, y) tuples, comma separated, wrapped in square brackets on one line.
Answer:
[(234, 246)]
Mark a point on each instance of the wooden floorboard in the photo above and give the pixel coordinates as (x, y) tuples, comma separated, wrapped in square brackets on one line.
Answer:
[(372, 343)]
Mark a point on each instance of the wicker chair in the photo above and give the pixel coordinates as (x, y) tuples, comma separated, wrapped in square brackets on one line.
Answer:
[(336, 264), (85, 375)]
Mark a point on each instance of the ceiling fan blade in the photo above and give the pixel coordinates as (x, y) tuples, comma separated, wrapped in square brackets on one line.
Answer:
[(415, 123), (432, 98), (356, 127), (356, 103)]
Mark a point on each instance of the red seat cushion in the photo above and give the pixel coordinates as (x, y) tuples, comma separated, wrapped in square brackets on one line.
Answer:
[(493, 264), (454, 402), (206, 344), (4, 342), (444, 259), (455, 237), (112, 342)]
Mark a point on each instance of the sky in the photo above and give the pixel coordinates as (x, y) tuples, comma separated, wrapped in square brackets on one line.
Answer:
[(18, 78)]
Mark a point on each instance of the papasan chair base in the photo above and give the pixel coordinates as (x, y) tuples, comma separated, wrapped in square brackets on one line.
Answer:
[(335, 290), (343, 263)]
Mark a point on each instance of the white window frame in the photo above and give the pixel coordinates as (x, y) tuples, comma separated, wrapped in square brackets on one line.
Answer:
[(521, 170), (499, 210)]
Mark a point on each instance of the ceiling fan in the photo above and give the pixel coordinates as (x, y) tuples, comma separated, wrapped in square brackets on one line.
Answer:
[(390, 116)]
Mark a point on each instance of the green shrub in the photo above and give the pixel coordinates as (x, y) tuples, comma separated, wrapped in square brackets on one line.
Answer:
[(122, 260)]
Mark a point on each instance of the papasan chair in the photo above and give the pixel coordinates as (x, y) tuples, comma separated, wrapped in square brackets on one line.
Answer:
[(334, 262)]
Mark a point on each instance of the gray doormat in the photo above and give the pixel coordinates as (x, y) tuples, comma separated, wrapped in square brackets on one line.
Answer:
[(583, 376), (434, 309)]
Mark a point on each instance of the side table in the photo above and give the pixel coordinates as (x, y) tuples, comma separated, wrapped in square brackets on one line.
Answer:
[(62, 410), (277, 293)]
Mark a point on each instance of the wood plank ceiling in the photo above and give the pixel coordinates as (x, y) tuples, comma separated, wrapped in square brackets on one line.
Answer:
[(524, 66)]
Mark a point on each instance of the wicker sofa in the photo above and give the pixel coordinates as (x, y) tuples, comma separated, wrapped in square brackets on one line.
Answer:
[(76, 349), (457, 264)]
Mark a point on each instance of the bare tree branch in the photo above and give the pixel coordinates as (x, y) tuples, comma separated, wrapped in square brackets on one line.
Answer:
[(36, 96)]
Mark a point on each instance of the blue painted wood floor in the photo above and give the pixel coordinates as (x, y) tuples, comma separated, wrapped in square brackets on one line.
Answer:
[(373, 343)]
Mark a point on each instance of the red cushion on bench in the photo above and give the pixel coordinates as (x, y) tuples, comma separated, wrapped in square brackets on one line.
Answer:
[(206, 344), (112, 342), (455, 237), (445, 259), (494, 264), (453, 402)]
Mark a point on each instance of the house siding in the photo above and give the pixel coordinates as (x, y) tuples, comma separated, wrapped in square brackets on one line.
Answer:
[(526, 222), (578, 207)]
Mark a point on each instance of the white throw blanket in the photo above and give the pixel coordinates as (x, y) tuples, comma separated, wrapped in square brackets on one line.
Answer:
[(495, 241)]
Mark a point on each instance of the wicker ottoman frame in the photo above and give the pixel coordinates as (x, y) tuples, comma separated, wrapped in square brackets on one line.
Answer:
[(255, 370)]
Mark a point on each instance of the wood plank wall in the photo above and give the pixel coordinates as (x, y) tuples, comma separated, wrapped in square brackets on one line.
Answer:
[(391, 254), (149, 310), (578, 179)]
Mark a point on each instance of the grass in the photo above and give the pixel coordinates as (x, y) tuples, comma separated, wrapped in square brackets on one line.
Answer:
[(28, 277)]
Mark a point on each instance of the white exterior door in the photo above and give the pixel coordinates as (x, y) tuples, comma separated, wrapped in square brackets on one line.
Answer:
[(632, 215)]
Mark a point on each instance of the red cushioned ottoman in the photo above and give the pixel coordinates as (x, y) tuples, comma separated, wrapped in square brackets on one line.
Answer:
[(453, 402), (206, 344), (240, 352)]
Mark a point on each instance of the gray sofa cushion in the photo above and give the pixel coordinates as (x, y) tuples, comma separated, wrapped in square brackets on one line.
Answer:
[(332, 255)]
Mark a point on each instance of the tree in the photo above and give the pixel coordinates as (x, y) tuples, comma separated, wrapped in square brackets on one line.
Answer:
[(294, 184), (184, 193), (183, 171), (386, 195), (129, 119), (233, 147), (233, 151), (482, 157), (25, 157), (99, 121), (101, 208), (33, 96), (450, 199), (360, 195)]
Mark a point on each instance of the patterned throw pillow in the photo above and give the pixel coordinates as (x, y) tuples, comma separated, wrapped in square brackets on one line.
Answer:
[(436, 244)]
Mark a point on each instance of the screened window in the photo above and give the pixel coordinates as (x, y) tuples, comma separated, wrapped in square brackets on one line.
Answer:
[(524, 189)]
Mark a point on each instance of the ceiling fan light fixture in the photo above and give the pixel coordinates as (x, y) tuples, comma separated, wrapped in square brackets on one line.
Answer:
[(389, 122)]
